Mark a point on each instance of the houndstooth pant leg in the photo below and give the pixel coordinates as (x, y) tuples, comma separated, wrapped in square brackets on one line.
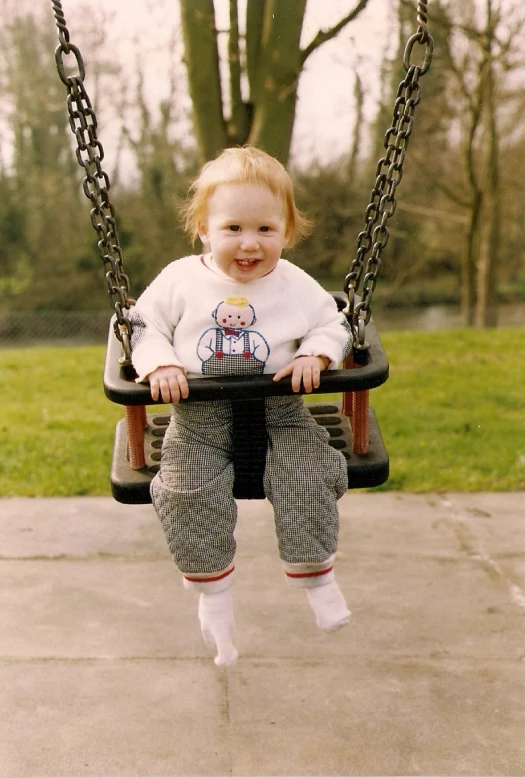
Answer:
[(304, 479), (192, 493)]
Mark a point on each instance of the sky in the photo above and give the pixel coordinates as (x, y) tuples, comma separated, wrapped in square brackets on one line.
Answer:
[(325, 109)]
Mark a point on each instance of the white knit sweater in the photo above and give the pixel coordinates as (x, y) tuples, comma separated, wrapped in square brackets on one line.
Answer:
[(192, 314)]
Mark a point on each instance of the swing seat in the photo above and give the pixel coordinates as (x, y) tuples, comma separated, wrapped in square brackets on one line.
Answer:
[(247, 394)]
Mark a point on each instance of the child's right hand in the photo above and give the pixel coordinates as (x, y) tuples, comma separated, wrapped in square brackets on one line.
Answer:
[(170, 383)]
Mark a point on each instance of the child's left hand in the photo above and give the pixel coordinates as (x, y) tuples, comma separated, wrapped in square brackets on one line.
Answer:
[(306, 370)]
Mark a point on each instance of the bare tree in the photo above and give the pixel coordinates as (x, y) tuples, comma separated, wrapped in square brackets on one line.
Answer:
[(46, 257), (488, 41), (264, 70)]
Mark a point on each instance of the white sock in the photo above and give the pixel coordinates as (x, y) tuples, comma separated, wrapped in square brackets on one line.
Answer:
[(218, 626), (329, 606)]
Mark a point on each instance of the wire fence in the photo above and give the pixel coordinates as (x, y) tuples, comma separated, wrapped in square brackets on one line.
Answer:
[(53, 328), (23, 329)]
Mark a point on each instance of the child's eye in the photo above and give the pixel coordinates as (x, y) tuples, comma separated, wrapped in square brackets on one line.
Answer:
[(234, 228), (264, 229)]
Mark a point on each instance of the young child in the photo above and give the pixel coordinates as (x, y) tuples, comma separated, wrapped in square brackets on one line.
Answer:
[(242, 309)]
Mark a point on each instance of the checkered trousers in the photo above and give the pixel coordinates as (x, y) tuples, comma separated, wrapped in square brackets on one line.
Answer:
[(193, 497)]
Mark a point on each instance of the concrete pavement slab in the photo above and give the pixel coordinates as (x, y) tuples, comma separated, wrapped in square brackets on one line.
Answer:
[(113, 718), (78, 528), (103, 670), (126, 609), (377, 717)]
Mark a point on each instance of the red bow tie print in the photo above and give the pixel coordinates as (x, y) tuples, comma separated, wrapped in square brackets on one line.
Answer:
[(235, 333)]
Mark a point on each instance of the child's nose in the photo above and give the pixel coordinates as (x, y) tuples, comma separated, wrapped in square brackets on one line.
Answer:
[(250, 241)]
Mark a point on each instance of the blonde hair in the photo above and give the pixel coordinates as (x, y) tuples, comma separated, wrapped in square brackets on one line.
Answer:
[(237, 302), (244, 165)]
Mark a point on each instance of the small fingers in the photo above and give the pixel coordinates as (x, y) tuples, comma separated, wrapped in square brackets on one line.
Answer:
[(283, 372), (172, 394), (174, 388), (311, 379), (169, 386), (297, 376), (304, 372), (154, 389), (316, 377), (169, 390), (184, 389)]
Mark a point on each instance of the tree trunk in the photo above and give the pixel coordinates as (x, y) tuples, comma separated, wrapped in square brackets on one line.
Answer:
[(358, 124), (468, 261), (202, 62), (277, 76), (254, 24), (486, 304), (487, 298)]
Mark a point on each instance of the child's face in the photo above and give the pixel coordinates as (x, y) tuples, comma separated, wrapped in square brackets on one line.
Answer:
[(245, 230)]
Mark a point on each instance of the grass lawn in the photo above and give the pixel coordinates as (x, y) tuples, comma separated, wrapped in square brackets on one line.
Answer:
[(452, 415), (453, 410)]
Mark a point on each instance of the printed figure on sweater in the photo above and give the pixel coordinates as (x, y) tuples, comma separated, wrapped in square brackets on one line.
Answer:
[(231, 348)]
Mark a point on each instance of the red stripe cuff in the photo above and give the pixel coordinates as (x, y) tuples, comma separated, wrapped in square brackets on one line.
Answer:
[(309, 575), (194, 579)]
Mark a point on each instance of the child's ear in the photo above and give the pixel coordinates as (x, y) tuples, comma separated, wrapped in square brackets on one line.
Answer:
[(287, 237), (203, 232)]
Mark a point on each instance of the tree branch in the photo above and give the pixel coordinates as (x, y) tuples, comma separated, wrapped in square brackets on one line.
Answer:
[(325, 35)]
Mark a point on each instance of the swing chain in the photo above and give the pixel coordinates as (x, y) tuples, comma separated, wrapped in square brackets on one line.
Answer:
[(422, 37), (60, 19), (422, 19), (389, 171), (95, 184)]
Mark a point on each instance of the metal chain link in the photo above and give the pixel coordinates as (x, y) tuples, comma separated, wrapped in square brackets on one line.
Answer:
[(96, 184), (389, 172)]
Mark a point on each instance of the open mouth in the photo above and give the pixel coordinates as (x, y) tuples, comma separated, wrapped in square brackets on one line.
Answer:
[(247, 263)]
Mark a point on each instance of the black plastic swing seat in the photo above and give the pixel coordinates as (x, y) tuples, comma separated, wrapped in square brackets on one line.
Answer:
[(247, 394)]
